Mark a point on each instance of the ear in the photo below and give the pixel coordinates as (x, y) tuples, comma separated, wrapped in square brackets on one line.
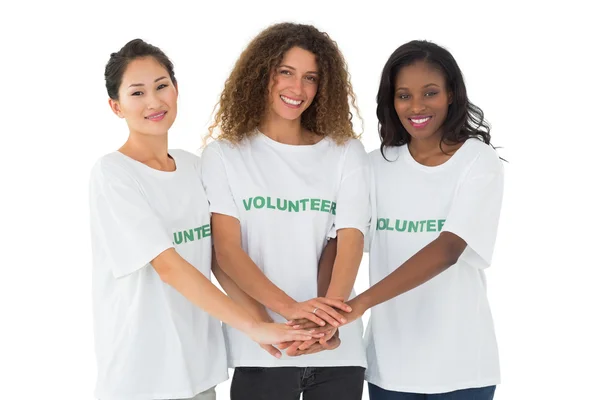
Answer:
[(176, 88), (450, 98), (115, 107)]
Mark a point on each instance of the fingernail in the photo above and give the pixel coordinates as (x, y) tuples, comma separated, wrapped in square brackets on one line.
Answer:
[(344, 320), (296, 326), (312, 330)]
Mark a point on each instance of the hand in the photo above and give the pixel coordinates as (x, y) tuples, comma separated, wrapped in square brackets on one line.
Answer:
[(303, 348), (318, 310), (358, 309), (272, 333)]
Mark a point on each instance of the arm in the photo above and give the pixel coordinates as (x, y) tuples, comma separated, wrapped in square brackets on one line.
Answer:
[(326, 267), (234, 261), (347, 260), (429, 262), (254, 308), (191, 283)]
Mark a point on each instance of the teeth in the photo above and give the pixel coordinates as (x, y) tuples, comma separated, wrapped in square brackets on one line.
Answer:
[(290, 101), (156, 116), (420, 121)]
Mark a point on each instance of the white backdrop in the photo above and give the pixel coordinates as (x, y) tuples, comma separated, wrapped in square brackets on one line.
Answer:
[(529, 66)]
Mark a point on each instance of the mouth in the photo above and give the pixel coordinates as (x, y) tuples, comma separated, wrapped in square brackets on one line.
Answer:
[(419, 121), (291, 102), (156, 116)]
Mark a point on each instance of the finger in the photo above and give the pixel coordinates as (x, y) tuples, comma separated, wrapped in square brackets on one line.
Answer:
[(289, 336), (327, 337), (324, 329), (309, 325), (307, 344), (271, 350), (293, 349), (284, 345), (329, 318), (332, 344), (331, 312), (335, 302), (313, 318)]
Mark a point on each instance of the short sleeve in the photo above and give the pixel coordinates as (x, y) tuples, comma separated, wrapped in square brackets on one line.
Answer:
[(126, 231), (216, 183), (475, 211), (353, 208)]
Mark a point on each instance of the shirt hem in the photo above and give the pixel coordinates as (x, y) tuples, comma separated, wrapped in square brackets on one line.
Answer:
[(295, 363), (434, 389), (164, 396)]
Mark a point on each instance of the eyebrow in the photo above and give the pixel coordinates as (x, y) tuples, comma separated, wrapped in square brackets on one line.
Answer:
[(426, 86), (290, 67), (141, 84)]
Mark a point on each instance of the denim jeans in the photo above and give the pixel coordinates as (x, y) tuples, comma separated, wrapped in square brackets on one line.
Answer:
[(287, 383), (484, 393)]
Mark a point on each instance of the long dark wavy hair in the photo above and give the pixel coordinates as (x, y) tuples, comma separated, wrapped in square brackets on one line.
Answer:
[(464, 120)]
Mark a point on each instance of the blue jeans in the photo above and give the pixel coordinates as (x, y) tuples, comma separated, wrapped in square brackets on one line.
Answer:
[(484, 393)]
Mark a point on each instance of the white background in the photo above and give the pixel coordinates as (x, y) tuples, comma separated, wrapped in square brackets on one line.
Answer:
[(530, 66)]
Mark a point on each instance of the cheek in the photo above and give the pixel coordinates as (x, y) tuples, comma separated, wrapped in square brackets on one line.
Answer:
[(311, 91), (400, 108)]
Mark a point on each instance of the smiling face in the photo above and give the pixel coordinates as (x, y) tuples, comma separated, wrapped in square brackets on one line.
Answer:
[(421, 100), (294, 84), (147, 98)]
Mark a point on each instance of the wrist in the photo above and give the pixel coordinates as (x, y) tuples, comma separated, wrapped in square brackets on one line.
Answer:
[(359, 304)]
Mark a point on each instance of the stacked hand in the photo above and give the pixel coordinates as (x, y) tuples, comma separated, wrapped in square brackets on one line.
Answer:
[(330, 340)]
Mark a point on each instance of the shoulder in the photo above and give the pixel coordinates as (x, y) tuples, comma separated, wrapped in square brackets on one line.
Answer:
[(483, 155), (355, 149), (110, 166), (391, 154)]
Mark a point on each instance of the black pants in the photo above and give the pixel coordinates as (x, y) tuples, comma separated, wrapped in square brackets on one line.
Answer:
[(287, 383)]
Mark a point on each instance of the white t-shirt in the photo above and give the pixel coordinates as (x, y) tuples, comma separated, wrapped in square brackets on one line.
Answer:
[(288, 200), (151, 342), (438, 337)]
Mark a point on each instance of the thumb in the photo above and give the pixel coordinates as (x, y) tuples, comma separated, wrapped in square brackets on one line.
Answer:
[(271, 350)]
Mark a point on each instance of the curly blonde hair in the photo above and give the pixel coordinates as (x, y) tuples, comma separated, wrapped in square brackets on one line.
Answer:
[(238, 111)]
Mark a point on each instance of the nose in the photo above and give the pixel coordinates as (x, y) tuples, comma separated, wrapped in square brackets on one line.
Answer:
[(152, 101), (416, 105), (296, 85)]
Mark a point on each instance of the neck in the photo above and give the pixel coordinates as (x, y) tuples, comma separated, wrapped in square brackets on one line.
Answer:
[(284, 130), (151, 150), (427, 151)]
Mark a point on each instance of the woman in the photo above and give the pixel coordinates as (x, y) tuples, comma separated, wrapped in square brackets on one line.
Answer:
[(151, 239), (286, 174), (438, 193)]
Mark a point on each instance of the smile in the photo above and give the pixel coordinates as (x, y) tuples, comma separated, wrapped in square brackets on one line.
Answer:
[(157, 116), (419, 122), (291, 102)]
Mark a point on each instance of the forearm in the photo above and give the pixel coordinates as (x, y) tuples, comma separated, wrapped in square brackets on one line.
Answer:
[(429, 262), (198, 289), (240, 268), (347, 262), (326, 267), (253, 307)]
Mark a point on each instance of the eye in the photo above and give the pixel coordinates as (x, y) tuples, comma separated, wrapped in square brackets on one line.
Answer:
[(312, 78), (162, 86), (403, 96), (430, 94), (137, 93), (285, 72)]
